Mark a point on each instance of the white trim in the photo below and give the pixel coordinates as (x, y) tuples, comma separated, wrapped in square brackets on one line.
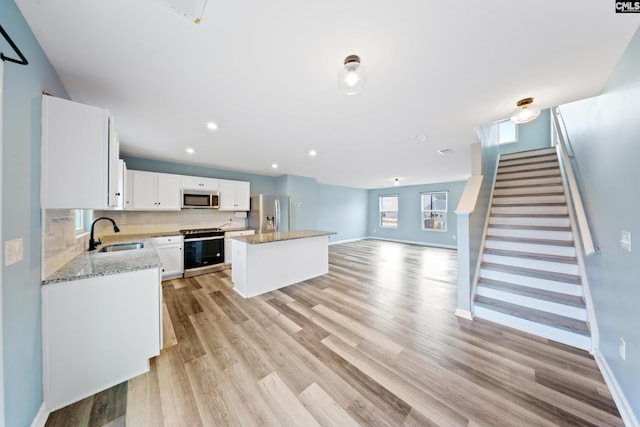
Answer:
[(411, 242), (335, 242), (1, 260), (41, 417), (626, 413), (465, 314)]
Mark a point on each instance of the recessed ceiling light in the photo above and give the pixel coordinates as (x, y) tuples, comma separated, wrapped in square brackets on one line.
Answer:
[(190, 150), (274, 165), (421, 137), (312, 153), (212, 126)]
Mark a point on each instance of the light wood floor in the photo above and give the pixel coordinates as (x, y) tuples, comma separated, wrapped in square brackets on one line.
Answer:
[(374, 343)]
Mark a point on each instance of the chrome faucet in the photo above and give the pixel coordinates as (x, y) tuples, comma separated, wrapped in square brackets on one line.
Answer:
[(94, 243)]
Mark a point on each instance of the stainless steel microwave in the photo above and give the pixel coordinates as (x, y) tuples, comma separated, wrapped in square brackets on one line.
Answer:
[(193, 199)]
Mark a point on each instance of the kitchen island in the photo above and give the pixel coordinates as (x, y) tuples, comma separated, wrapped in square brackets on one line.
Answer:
[(269, 261)]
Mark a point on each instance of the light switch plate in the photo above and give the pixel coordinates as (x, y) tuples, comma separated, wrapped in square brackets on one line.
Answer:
[(13, 251), (625, 240)]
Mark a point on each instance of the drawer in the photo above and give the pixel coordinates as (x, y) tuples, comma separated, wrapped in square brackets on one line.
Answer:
[(239, 233), (168, 240)]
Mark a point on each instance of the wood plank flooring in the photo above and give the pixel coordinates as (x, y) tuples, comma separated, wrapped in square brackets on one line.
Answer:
[(374, 343)]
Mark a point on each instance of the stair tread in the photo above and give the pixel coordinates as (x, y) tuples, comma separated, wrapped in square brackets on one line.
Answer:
[(555, 193), (546, 158), (568, 243), (519, 178), (530, 227), (537, 169), (531, 255), (554, 320), (531, 215), (550, 296), (529, 203), (522, 271)]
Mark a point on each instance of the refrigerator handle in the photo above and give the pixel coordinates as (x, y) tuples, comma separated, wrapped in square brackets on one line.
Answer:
[(277, 212)]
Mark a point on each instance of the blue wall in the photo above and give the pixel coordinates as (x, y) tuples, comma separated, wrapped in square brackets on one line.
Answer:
[(350, 220), (23, 86), (605, 134), (304, 199), (532, 135), (410, 214)]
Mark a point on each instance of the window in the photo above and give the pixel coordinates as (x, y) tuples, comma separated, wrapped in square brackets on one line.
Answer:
[(389, 211), (434, 211), (83, 221), (507, 132)]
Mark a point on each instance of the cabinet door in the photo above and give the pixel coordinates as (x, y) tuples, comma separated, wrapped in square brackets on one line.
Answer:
[(74, 155), (172, 261), (145, 193), (113, 166), (168, 192), (199, 183), (128, 188), (227, 195), (243, 191)]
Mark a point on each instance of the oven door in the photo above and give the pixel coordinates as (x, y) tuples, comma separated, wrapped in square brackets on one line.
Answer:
[(203, 255)]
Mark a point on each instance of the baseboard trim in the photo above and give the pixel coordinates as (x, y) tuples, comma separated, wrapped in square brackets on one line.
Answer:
[(41, 417), (345, 241), (465, 314), (626, 413), (411, 242)]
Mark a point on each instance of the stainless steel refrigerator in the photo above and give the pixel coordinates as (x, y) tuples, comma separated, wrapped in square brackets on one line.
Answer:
[(270, 213)]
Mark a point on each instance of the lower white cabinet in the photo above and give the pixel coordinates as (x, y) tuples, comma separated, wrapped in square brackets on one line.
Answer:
[(227, 242), (98, 332), (171, 252)]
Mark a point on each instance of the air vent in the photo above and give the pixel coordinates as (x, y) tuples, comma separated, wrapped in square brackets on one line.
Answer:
[(192, 9), (445, 151)]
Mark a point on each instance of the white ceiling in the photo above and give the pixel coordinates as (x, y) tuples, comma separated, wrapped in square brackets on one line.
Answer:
[(266, 71)]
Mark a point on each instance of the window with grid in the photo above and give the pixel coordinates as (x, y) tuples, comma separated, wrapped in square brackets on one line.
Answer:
[(389, 211), (434, 211)]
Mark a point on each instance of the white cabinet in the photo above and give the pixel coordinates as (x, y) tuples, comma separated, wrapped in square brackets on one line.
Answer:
[(122, 185), (170, 250), (234, 195), (155, 191), (199, 183), (98, 332), (128, 189), (227, 242), (79, 153)]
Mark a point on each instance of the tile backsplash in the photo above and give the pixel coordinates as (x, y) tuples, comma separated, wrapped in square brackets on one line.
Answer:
[(60, 242)]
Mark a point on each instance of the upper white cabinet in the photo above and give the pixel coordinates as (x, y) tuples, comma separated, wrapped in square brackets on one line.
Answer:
[(155, 191), (199, 183), (234, 195), (79, 156)]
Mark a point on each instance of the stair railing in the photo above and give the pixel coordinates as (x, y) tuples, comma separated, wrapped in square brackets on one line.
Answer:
[(581, 216)]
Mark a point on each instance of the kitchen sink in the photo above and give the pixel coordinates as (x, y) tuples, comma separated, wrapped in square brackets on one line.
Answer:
[(122, 247)]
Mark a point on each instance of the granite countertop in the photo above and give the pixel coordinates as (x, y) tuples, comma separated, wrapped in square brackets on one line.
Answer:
[(281, 236), (94, 263)]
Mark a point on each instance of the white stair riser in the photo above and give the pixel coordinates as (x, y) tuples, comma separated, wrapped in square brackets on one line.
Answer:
[(527, 167), (530, 221), (559, 335), (531, 234), (529, 190), (532, 282), (535, 210), (546, 266), (531, 182), (525, 154), (535, 303), (529, 174), (548, 158), (527, 200), (531, 247)]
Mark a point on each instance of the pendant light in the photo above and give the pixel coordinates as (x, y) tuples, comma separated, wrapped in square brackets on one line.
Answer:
[(526, 112), (352, 76)]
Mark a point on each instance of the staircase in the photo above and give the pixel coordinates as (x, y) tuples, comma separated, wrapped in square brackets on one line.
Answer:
[(529, 276)]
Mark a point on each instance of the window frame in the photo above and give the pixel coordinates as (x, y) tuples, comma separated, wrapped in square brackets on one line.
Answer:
[(381, 212), (516, 132), (84, 216), (444, 212)]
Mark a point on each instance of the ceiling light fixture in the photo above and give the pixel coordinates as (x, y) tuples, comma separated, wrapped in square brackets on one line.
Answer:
[(190, 150), (212, 126), (352, 76), (526, 111), (274, 165), (312, 153), (396, 181)]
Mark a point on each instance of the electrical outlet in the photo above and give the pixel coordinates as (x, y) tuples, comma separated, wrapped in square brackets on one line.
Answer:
[(623, 349), (625, 240)]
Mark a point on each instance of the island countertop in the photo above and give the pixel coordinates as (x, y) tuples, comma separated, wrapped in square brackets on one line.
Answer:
[(280, 236), (94, 263)]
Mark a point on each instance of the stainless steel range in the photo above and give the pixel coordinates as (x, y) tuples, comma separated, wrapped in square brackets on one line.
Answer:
[(203, 251)]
